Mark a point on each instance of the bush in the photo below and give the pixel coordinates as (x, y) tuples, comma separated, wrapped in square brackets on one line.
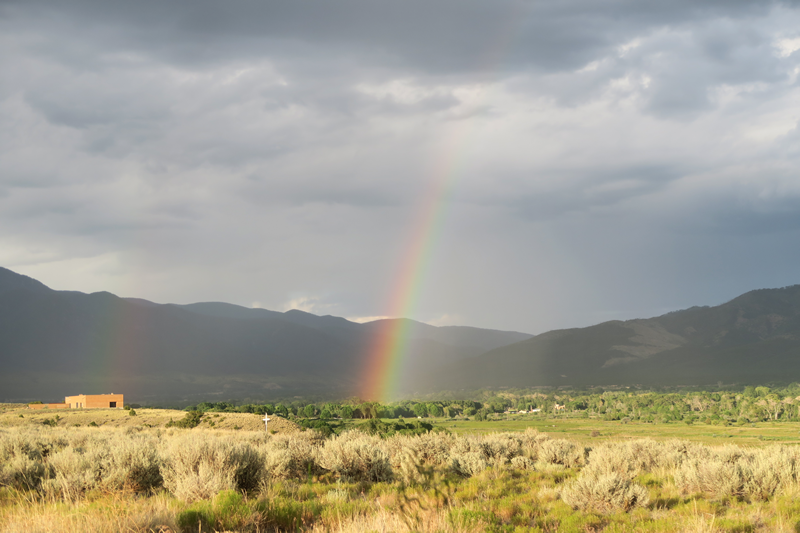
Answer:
[(198, 468), (468, 463), (604, 493), (354, 456), (734, 472), (227, 512), (291, 456), (561, 452), (130, 464), (191, 420)]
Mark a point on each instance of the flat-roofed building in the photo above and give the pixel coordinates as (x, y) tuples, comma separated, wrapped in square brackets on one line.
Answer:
[(84, 401), (94, 401)]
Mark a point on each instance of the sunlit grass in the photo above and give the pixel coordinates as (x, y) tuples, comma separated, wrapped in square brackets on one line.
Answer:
[(264, 490)]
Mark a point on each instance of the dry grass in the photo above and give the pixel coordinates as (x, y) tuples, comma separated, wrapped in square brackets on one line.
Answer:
[(114, 513), (125, 479), (144, 419)]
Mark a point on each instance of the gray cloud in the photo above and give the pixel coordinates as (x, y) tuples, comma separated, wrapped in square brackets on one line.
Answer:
[(603, 159)]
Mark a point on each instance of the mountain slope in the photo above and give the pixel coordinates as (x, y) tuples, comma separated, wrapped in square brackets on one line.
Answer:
[(55, 343), (753, 338)]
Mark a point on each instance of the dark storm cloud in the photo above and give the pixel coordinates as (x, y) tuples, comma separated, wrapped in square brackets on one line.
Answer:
[(446, 37)]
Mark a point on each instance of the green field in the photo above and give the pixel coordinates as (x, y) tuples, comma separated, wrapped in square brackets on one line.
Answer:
[(583, 429)]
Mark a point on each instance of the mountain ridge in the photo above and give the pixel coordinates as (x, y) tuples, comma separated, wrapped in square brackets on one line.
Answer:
[(698, 345), (52, 342), (101, 341)]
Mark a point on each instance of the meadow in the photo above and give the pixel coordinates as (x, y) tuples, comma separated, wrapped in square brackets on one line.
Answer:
[(518, 473)]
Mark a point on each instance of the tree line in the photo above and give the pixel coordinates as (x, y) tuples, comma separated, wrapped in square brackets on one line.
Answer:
[(751, 404)]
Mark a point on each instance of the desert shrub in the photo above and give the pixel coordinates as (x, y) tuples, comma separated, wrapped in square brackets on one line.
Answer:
[(713, 477), (21, 461), (625, 459), (199, 467), (110, 464), (355, 456), (70, 475), (467, 456), (531, 440), (51, 422), (522, 463), (736, 472), (471, 455), (407, 467), (290, 456), (468, 463), (500, 448), (771, 470), (762, 477), (676, 452), (132, 464), (561, 452), (22, 472), (604, 493), (429, 448), (189, 421)]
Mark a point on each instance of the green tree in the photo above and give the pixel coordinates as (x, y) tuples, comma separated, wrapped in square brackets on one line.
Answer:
[(434, 409), (347, 412)]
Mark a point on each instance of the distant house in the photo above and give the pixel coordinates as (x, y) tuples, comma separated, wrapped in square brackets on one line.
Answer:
[(84, 401)]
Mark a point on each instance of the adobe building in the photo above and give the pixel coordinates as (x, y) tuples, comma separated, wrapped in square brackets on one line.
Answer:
[(84, 401), (48, 406), (94, 401)]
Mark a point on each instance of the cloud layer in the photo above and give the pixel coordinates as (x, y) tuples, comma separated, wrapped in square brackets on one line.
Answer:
[(611, 159)]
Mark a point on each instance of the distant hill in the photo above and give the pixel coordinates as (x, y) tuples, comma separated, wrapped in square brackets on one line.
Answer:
[(751, 339), (54, 343)]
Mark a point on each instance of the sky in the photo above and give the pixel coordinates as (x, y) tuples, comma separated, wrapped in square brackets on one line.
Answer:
[(567, 162)]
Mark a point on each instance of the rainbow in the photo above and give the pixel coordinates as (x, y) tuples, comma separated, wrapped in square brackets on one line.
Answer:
[(384, 362), (383, 368)]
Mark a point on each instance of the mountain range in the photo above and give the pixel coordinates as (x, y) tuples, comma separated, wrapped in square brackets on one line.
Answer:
[(55, 343)]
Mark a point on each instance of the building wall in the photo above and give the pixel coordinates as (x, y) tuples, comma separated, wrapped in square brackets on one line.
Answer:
[(48, 406), (95, 401)]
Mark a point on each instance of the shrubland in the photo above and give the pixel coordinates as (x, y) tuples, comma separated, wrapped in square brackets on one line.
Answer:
[(177, 479)]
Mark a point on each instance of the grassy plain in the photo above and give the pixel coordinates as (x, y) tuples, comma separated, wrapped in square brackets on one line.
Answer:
[(586, 431), (582, 430), (71, 476), (15, 415)]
